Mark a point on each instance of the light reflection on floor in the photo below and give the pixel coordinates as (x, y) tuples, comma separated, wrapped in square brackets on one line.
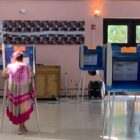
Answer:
[(79, 121), (123, 127)]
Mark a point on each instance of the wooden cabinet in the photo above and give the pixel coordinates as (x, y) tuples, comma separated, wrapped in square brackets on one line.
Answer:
[(47, 81)]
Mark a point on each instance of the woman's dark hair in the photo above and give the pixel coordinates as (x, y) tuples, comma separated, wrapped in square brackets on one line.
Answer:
[(18, 55)]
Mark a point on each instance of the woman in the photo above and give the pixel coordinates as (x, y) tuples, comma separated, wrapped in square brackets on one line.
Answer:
[(21, 92)]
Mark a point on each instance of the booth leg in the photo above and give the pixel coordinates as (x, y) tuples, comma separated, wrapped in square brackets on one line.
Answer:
[(2, 118), (4, 105), (109, 110), (66, 85), (83, 88), (36, 111), (80, 85), (37, 115), (111, 115), (133, 109)]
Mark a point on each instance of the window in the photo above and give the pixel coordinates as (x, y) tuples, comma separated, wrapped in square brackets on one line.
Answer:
[(121, 31), (138, 34), (117, 34)]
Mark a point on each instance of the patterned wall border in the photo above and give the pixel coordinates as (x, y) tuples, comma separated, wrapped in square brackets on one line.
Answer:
[(43, 32)]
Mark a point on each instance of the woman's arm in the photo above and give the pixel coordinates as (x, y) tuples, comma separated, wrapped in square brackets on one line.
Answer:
[(5, 73)]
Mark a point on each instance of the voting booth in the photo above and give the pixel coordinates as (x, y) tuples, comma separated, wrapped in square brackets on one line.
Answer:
[(122, 74), (28, 50), (90, 60)]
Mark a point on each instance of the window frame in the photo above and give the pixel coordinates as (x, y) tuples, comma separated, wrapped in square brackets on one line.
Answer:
[(131, 23)]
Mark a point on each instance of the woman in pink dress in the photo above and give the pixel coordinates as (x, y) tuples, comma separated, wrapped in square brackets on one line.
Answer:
[(21, 92)]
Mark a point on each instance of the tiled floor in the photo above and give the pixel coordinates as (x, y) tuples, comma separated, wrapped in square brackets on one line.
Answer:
[(78, 121)]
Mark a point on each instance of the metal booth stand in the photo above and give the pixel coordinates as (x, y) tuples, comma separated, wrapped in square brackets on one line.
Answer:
[(122, 74), (29, 57)]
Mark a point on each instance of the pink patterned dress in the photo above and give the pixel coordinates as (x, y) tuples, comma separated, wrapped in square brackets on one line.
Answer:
[(20, 93)]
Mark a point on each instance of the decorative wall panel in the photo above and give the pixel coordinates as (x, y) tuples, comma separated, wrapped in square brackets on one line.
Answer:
[(43, 32)]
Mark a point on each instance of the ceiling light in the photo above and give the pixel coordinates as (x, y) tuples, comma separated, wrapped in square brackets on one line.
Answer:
[(22, 11)]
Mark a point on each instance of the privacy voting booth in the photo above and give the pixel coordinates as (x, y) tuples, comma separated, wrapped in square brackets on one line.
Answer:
[(122, 74), (123, 68), (89, 60), (29, 57), (28, 50)]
